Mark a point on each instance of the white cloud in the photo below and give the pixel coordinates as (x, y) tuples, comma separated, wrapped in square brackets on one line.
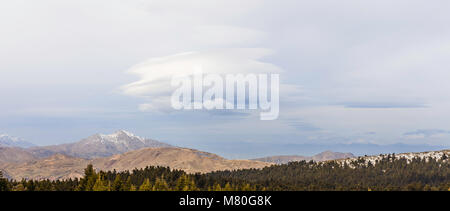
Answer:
[(156, 74)]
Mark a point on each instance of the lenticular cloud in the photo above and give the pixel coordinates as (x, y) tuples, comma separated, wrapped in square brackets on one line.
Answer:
[(155, 74)]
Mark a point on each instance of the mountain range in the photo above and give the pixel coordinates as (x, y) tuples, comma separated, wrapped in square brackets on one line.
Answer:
[(99, 145), (239, 150), (121, 151)]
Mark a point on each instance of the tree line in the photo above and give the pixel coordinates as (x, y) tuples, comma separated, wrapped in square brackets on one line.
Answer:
[(387, 174)]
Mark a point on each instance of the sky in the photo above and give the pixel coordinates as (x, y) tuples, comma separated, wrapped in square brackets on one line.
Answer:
[(351, 71)]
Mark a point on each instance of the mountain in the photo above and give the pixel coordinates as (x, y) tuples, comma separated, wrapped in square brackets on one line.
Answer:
[(329, 155), (11, 141), (60, 166), (99, 145), (189, 160), (324, 156), (15, 155), (55, 167)]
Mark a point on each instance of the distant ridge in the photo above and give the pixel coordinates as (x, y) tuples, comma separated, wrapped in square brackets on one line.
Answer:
[(324, 156), (238, 149)]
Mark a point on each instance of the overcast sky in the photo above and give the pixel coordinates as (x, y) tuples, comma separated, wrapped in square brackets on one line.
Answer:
[(352, 71)]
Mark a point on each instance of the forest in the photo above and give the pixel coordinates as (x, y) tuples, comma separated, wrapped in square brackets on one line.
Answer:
[(387, 174)]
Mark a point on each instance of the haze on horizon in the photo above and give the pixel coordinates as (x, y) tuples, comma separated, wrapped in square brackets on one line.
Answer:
[(351, 71)]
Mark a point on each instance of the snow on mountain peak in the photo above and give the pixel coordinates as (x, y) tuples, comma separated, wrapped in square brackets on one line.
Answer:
[(12, 141), (126, 133), (11, 138), (120, 136)]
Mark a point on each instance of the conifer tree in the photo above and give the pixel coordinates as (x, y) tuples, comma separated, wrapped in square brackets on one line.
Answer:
[(117, 184), (100, 184), (228, 187), (161, 185), (146, 186), (185, 183), (217, 187), (90, 177), (246, 187), (126, 186), (3, 183)]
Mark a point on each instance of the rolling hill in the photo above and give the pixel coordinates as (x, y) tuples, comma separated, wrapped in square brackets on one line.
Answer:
[(61, 166)]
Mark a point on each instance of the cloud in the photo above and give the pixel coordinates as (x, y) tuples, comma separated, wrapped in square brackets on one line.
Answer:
[(383, 105), (427, 133), (155, 75), (302, 126)]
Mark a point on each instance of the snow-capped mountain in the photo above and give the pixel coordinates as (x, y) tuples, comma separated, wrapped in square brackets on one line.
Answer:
[(101, 145), (11, 141), (121, 140), (120, 137)]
